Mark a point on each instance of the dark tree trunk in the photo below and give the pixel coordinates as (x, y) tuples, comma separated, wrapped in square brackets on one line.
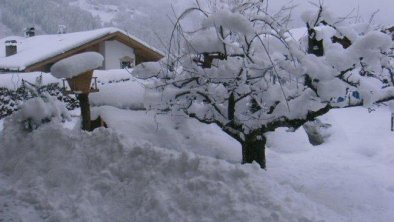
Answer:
[(253, 149), (314, 46), (85, 110)]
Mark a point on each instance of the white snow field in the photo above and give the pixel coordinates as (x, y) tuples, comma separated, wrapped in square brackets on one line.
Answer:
[(148, 167)]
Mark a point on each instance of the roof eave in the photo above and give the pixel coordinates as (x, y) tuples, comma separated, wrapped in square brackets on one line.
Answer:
[(118, 35)]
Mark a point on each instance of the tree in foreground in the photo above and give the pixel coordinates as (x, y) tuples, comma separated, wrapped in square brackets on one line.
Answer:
[(241, 69)]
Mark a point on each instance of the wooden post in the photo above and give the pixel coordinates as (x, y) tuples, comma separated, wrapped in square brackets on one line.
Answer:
[(85, 110), (80, 85), (392, 122), (81, 82)]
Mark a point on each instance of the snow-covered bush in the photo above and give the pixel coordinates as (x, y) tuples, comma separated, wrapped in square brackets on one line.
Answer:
[(11, 99), (39, 110), (239, 70)]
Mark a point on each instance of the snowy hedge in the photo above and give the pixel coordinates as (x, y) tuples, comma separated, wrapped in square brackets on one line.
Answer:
[(10, 100)]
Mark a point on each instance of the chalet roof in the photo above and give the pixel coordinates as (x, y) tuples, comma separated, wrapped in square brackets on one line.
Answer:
[(36, 49)]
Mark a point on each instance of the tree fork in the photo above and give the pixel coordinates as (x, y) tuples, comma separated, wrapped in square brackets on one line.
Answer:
[(253, 149)]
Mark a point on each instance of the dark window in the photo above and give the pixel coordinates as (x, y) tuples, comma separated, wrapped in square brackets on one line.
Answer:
[(125, 64)]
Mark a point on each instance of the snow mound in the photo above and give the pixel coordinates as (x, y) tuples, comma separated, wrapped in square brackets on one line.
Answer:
[(77, 64), (54, 174), (127, 95), (118, 88), (39, 110), (350, 173), (170, 132)]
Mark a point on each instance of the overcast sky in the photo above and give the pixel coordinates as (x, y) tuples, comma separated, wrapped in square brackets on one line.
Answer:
[(344, 7)]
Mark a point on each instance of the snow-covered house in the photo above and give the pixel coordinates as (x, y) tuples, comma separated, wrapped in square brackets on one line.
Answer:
[(40, 52)]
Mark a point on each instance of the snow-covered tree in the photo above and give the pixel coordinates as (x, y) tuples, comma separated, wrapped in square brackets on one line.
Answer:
[(241, 69)]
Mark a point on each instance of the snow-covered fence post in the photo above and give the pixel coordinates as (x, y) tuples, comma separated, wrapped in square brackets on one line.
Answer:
[(78, 70)]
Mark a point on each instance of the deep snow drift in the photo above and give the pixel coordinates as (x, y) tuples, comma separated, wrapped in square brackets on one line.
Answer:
[(57, 174)]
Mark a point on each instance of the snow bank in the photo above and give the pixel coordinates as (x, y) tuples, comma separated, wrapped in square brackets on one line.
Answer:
[(13, 81), (77, 64), (118, 88), (126, 95), (55, 174), (170, 132), (111, 76), (349, 173)]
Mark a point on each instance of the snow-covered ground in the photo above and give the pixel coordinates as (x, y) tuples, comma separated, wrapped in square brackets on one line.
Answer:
[(148, 167), (119, 89), (158, 168), (350, 174), (175, 133)]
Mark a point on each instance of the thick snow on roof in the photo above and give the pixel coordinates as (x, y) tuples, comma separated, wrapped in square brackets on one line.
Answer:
[(38, 48), (77, 64)]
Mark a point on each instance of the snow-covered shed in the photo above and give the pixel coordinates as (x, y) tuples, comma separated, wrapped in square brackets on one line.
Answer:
[(40, 52)]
